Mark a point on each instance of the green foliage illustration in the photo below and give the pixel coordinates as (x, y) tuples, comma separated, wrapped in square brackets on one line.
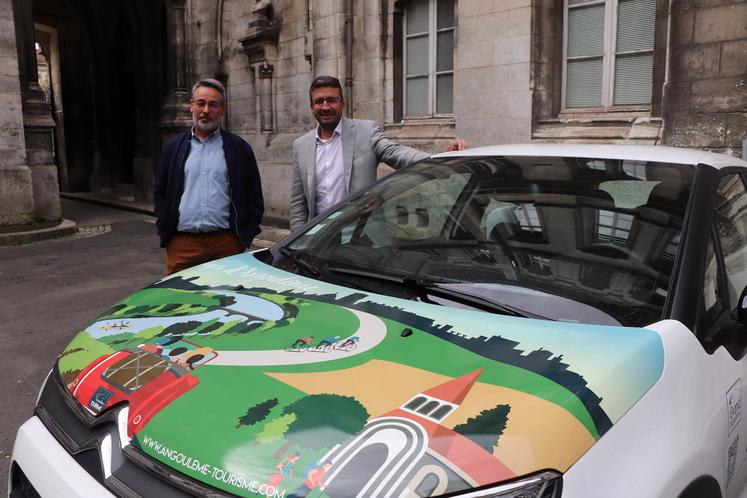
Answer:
[(257, 413), (486, 428), (275, 429), (324, 418)]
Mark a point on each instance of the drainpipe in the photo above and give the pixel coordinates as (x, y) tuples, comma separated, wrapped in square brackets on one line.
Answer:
[(667, 63), (349, 58), (219, 31)]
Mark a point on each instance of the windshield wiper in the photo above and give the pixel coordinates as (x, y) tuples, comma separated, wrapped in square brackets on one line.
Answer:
[(413, 281), (426, 287), (293, 256), (484, 303), (438, 242)]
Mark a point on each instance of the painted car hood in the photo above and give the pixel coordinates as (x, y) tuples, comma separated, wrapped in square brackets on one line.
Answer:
[(257, 381)]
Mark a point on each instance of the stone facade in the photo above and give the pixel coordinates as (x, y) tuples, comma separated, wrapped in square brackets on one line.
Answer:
[(16, 190), (705, 99), (127, 68)]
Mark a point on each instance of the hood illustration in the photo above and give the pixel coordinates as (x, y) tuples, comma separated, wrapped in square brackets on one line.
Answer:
[(260, 382)]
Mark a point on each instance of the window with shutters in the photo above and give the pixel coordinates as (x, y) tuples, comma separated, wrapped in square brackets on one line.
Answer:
[(428, 65), (608, 53)]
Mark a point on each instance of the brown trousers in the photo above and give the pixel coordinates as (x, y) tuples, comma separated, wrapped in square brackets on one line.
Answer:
[(189, 249)]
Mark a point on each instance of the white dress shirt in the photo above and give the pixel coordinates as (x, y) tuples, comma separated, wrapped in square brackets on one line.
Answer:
[(330, 170)]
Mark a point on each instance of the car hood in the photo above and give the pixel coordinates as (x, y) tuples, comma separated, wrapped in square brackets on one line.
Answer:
[(253, 380)]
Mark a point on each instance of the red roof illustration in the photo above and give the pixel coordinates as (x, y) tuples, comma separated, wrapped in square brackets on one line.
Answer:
[(455, 390), (463, 453)]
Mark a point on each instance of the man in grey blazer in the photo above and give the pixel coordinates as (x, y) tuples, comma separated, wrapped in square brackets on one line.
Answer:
[(339, 158)]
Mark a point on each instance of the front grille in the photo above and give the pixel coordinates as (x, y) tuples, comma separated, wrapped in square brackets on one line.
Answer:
[(133, 474)]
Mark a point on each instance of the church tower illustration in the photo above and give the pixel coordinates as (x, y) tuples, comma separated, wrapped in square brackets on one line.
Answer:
[(407, 451)]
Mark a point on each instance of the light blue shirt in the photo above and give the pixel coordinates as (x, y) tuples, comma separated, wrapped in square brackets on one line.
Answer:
[(205, 204)]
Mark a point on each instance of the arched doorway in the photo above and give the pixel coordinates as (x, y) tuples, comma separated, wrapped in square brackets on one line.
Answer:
[(112, 55)]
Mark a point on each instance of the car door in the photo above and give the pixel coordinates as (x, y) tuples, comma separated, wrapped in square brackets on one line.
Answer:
[(724, 281)]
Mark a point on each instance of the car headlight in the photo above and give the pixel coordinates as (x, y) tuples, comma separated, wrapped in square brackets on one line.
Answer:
[(546, 484)]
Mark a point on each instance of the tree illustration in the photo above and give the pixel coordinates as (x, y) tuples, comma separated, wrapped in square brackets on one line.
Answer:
[(226, 300), (275, 429), (180, 328), (145, 334), (323, 420), (169, 307), (257, 413), (487, 427)]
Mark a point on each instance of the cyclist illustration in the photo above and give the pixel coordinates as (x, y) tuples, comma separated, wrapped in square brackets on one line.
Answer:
[(301, 343), (326, 344), (349, 343)]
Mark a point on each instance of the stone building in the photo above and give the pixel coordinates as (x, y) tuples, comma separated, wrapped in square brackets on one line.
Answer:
[(117, 75)]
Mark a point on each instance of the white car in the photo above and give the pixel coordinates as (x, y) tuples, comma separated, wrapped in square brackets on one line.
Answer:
[(534, 321)]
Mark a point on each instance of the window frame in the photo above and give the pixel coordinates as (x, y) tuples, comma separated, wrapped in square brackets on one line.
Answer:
[(433, 72), (609, 57)]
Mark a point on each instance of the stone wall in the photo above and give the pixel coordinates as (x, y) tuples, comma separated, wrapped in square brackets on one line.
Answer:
[(705, 99), (16, 192), (492, 97)]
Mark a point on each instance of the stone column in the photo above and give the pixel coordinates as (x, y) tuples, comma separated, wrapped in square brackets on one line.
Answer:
[(38, 125), (16, 191), (175, 115), (259, 43), (266, 117)]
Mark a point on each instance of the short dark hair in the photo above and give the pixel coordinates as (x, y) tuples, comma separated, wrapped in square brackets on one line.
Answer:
[(210, 83), (325, 82)]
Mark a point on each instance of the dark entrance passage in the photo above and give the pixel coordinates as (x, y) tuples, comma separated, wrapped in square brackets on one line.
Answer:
[(107, 65)]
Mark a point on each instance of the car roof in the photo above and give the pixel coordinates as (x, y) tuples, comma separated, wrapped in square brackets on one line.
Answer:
[(656, 153)]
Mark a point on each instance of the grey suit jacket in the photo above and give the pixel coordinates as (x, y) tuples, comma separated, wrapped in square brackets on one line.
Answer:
[(364, 146)]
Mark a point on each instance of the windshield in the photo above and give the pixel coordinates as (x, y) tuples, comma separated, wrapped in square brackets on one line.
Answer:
[(596, 232)]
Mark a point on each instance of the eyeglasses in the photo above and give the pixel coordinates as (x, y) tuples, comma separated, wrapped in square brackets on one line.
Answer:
[(212, 105), (329, 100)]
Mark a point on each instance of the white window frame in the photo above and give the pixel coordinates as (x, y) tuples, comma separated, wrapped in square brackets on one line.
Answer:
[(432, 34), (608, 59)]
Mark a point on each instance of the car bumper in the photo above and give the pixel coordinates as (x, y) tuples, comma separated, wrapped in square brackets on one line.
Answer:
[(48, 467)]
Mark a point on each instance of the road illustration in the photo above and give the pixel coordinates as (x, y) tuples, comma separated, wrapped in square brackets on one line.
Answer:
[(371, 331)]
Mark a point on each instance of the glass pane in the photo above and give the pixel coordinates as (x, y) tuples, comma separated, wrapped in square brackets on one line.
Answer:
[(417, 56), (635, 25), (731, 224), (416, 16), (584, 83), (579, 2), (417, 96), (629, 284), (633, 74), (445, 15), (445, 94), (586, 31), (445, 51), (710, 289)]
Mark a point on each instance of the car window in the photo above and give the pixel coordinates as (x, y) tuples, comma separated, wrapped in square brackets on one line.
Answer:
[(417, 213), (711, 297), (602, 233), (730, 215)]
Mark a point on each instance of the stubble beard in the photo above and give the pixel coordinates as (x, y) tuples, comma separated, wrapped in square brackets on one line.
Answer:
[(206, 125)]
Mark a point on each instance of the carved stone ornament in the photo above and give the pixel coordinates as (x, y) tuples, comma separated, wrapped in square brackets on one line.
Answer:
[(261, 6), (262, 29)]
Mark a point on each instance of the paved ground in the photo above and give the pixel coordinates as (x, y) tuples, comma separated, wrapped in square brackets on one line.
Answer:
[(49, 290)]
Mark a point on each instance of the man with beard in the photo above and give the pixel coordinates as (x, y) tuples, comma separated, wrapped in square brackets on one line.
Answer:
[(340, 157), (208, 195)]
